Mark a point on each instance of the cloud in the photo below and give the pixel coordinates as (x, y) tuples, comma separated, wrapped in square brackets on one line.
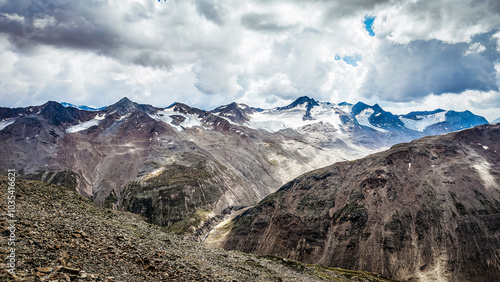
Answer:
[(264, 22), (349, 8), (405, 72), (450, 21), (265, 53), (211, 10)]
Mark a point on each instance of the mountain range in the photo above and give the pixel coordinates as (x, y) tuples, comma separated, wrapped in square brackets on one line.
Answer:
[(187, 168)]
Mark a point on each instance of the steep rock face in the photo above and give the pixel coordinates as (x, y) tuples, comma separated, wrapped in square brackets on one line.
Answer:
[(427, 210), (183, 197)]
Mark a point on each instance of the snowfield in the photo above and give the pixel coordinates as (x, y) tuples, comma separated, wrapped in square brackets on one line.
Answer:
[(86, 125), (275, 120), (5, 123), (363, 119), (164, 115), (82, 126), (423, 121)]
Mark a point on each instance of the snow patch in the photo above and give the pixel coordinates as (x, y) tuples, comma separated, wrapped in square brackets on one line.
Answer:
[(100, 117), (123, 117), (363, 119), (82, 126), (4, 124), (423, 121), (87, 124), (189, 121), (484, 169)]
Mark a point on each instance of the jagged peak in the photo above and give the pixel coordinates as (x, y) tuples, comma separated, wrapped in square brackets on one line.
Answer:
[(305, 99), (51, 104), (124, 101), (234, 111), (125, 106), (185, 109), (310, 103), (377, 108), (178, 105), (231, 107), (359, 107)]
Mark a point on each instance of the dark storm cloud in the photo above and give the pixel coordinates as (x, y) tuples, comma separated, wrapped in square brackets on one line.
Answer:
[(152, 59), (263, 22), (77, 25), (74, 26), (412, 71)]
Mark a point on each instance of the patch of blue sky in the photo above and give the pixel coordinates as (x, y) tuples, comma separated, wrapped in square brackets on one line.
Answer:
[(351, 60), (368, 23)]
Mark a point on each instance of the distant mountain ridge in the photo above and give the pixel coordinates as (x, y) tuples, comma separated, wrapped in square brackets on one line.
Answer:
[(365, 115), (126, 154), (436, 121)]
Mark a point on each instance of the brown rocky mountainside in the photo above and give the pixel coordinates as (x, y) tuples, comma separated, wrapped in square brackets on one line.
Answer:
[(428, 210), (61, 236)]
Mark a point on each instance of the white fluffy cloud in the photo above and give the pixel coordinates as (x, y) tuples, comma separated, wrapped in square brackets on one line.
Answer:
[(265, 53)]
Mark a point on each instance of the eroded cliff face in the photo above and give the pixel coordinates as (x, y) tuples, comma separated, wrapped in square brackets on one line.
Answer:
[(428, 210)]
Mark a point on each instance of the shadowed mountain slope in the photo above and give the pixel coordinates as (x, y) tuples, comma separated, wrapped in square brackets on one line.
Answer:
[(428, 210)]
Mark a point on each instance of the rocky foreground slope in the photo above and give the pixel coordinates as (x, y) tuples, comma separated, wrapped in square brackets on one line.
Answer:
[(428, 210), (61, 236)]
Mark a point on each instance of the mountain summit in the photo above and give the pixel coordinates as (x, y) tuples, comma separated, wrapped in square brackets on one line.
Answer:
[(126, 106), (238, 113), (303, 101)]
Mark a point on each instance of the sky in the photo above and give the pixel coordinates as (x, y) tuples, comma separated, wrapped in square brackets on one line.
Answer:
[(402, 54)]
